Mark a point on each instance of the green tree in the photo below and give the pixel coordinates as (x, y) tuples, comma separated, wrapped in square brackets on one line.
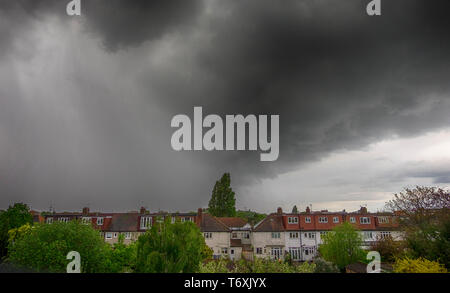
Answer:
[(222, 202), (342, 246), (45, 247), (14, 217), (425, 219), (122, 257), (170, 248), (250, 216)]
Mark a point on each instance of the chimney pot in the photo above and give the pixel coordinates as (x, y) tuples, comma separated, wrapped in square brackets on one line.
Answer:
[(85, 211), (279, 211), (308, 210), (143, 210)]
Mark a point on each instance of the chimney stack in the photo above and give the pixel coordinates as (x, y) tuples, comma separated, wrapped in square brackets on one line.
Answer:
[(308, 210), (199, 215), (85, 211), (363, 210), (143, 210), (280, 211)]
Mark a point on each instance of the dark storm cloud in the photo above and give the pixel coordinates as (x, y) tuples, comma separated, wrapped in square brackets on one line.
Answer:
[(119, 23), (338, 79)]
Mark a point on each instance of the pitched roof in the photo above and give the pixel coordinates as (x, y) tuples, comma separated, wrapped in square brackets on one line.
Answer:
[(272, 223), (212, 224), (233, 222), (124, 222)]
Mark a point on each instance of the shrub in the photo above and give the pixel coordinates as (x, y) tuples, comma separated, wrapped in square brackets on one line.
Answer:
[(420, 265), (259, 265), (214, 266), (323, 266)]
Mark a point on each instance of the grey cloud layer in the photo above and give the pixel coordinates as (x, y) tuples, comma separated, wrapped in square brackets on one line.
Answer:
[(338, 79)]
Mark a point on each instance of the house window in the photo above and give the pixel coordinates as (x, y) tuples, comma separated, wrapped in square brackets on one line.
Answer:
[(368, 235), (246, 235), (224, 250), (310, 235), (293, 220), (385, 234), (208, 235), (258, 250), (293, 235), (308, 250), (127, 235), (108, 235), (186, 219), (275, 252), (174, 219), (86, 220), (308, 220), (234, 235), (275, 234), (364, 220), (115, 234), (49, 220), (99, 221), (146, 222), (335, 219), (294, 252), (63, 220), (323, 233), (352, 220), (383, 220), (323, 219)]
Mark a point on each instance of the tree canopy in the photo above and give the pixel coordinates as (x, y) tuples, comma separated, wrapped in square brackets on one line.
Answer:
[(425, 220), (223, 201), (14, 217), (170, 248), (45, 247), (342, 246)]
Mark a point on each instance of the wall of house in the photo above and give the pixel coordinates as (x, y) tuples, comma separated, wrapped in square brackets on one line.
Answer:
[(115, 237), (265, 241), (218, 241)]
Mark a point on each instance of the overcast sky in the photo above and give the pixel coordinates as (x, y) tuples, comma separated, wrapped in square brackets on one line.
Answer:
[(86, 102)]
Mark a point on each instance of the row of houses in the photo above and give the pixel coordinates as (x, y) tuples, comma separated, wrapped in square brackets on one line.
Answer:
[(299, 234)]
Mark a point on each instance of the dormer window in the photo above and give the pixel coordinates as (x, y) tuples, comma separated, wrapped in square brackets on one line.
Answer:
[(323, 219), (86, 220), (352, 220), (308, 220), (186, 219), (364, 220), (383, 220), (146, 222), (335, 219), (293, 220)]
